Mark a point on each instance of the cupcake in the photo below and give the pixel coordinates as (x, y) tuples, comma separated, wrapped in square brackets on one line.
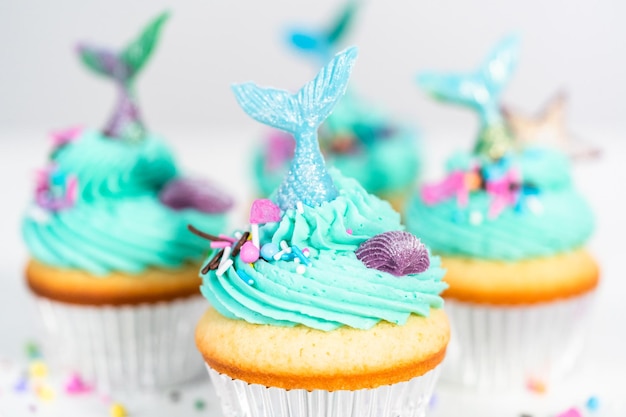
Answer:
[(359, 139), (113, 267), (325, 306), (510, 229)]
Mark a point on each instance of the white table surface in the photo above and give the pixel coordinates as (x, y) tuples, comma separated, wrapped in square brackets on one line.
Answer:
[(222, 156)]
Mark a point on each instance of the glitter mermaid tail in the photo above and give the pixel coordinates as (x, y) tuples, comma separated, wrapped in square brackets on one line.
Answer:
[(301, 114), (481, 91), (123, 67)]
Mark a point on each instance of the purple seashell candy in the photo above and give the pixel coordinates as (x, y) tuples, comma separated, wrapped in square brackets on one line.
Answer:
[(197, 194), (398, 253)]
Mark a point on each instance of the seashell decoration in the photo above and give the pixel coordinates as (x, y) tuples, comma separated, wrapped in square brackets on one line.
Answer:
[(398, 253), (198, 194)]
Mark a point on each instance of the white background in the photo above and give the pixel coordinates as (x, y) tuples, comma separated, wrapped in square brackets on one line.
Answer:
[(580, 46)]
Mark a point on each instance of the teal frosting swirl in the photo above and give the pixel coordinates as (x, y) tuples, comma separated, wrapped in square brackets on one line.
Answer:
[(336, 289), (118, 222), (563, 222), (382, 165)]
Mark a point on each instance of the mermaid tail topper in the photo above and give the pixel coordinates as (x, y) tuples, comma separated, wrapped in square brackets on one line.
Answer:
[(301, 114), (481, 90), (122, 67), (324, 42)]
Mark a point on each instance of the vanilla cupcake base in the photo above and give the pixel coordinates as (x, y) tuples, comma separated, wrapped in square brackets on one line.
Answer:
[(403, 399), (509, 347), (124, 347)]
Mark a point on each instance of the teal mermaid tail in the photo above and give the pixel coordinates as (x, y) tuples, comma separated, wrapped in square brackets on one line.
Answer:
[(324, 42), (301, 114), (481, 89), (123, 67)]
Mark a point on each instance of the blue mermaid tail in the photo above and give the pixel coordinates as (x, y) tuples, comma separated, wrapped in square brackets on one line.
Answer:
[(480, 90), (324, 42), (301, 114), (123, 67)]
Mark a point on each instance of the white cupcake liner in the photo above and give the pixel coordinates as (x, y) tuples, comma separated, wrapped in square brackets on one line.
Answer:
[(124, 347), (404, 399), (508, 347)]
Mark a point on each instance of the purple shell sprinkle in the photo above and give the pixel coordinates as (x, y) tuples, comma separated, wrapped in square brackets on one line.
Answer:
[(197, 194), (398, 253)]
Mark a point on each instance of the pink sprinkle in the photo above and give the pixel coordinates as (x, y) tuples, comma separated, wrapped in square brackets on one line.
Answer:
[(228, 238), (453, 184), (76, 385), (62, 137), (572, 412), (306, 251), (220, 245), (264, 211), (349, 231)]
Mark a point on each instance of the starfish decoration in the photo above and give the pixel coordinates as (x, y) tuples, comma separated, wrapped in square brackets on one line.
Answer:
[(548, 128)]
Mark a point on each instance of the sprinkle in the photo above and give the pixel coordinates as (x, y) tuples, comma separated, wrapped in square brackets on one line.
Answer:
[(475, 218), (306, 252), (223, 267), (32, 350), (199, 405), (534, 205), (225, 256), (349, 231), (21, 385), (76, 385), (268, 251), (284, 246), (300, 269), (237, 235), (254, 232), (45, 392), (214, 263), (117, 410), (227, 238), (37, 369), (278, 255), (219, 245), (287, 256), (536, 386), (299, 207), (202, 234), (245, 277), (296, 250), (572, 412), (175, 396), (243, 238), (249, 252), (593, 403)]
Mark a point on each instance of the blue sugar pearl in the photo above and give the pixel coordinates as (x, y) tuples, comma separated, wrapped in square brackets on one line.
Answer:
[(593, 403), (268, 251)]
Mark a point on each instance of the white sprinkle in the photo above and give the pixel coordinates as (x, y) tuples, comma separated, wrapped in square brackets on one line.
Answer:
[(254, 231), (225, 256), (237, 235), (278, 255), (534, 205), (251, 282), (38, 214), (283, 245), (301, 269), (475, 218), (296, 260), (299, 207), (223, 267)]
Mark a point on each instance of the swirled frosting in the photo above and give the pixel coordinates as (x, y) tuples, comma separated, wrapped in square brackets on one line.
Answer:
[(384, 158), (117, 222), (561, 221), (336, 289)]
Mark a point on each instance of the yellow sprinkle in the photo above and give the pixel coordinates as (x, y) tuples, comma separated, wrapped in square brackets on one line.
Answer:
[(117, 410), (37, 369), (45, 392)]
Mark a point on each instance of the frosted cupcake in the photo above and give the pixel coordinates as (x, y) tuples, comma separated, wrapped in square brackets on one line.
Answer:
[(325, 306), (359, 139), (112, 265), (510, 229)]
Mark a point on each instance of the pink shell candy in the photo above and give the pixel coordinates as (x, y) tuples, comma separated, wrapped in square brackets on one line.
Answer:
[(264, 211), (249, 253), (398, 253)]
